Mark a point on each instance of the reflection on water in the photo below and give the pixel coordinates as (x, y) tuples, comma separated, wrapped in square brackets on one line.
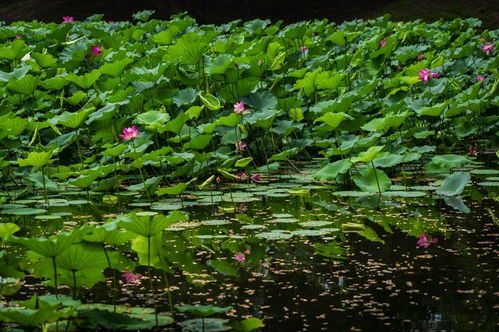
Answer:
[(304, 270)]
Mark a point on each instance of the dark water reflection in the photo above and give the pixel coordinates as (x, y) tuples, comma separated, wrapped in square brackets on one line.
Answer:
[(396, 286)]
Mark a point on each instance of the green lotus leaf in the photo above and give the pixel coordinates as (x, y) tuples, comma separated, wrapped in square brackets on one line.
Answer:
[(247, 325), (26, 85), (84, 81), (115, 68), (210, 101), (36, 159), (202, 310), (153, 119), (454, 184), (372, 180), (173, 190), (148, 226), (48, 247), (369, 155), (331, 171)]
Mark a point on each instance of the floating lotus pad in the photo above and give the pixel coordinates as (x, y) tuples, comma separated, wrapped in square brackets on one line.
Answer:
[(315, 223), (425, 188), (351, 193), (253, 226), (274, 235), (411, 194), (310, 232), (484, 171), (48, 217), (488, 184), (282, 215), (205, 325), (210, 236), (166, 206), (215, 222), (282, 221), (23, 211), (277, 195)]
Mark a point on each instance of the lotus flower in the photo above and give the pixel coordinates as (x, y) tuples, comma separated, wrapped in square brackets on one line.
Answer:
[(424, 241), (425, 75), (241, 146), (68, 19), (242, 208), (487, 48), (242, 176), (239, 108), (96, 50), (130, 133), (255, 177), (303, 48), (16, 37), (480, 78), (472, 150), (132, 278), (110, 22), (383, 43), (240, 257), (421, 56)]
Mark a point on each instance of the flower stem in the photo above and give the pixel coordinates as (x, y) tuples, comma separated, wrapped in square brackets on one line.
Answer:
[(54, 265), (115, 288), (151, 286)]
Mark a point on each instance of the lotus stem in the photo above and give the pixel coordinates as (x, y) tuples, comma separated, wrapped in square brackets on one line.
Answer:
[(73, 273), (141, 175), (168, 291), (115, 288), (151, 286), (54, 265), (44, 187), (376, 177)]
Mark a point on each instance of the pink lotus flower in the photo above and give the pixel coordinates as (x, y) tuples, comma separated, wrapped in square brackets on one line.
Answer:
[(487, 48), (425, 75), (241, 256), (383, 43), (303, 48), (132, 278), (472, 151), (480, 78), (421, 56), (96, 50), (130, 133), (16, 37), (242, 176), (242, 208), (239, 108), (110, 22), (68, 19), (255, 177), (424, 241), (241, 146)]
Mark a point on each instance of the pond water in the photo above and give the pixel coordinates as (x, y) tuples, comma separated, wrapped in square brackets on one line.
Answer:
[(308, 260)]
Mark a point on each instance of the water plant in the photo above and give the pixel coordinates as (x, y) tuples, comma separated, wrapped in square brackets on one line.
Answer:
[(154, 151)]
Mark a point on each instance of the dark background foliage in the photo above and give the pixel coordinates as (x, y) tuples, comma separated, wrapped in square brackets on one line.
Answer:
[(220, 11)]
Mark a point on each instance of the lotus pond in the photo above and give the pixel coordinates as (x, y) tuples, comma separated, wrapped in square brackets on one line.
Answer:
[(165, 175)]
